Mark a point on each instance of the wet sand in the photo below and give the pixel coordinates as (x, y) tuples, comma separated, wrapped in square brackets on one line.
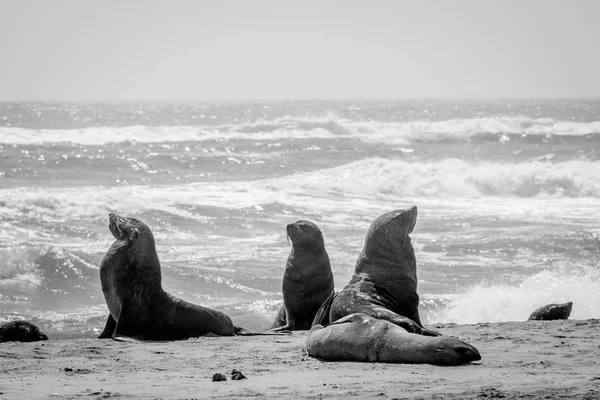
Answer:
[(532, 360)]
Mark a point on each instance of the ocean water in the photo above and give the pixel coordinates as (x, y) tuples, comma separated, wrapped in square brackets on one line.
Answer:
[(508, 195)]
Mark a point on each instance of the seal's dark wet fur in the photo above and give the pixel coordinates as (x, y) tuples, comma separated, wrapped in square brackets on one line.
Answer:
[(307, 280), (139, 307), (21, 331), (384, 284)]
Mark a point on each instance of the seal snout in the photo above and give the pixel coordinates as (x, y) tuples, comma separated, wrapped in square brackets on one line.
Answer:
[(412, 212), (294, 231), (115, 223), (407, 218), (288, 228), (114, 219)]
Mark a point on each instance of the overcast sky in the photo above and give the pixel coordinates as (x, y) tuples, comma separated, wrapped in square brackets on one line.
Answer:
[(255, 49)]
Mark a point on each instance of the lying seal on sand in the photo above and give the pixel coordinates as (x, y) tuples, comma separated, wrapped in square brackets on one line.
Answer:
[(307, 280), (139, 307), (360, 337), (21, 331), (552, 311), (384, 284)]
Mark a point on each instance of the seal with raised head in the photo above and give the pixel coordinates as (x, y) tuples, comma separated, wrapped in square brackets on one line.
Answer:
[(360, 337), (307, 280), (552, 311), (384, 284), (21, 331), (139, 307)]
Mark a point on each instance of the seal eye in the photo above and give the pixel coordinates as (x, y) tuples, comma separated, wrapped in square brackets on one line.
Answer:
[(134, 234)]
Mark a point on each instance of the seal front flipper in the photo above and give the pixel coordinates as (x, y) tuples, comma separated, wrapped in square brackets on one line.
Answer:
[(129, 323), (109, 328), (239, 331), (322, 317), (290, 321), (406, 323)]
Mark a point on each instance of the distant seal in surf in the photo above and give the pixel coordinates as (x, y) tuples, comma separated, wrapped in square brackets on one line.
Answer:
[(360, 337), (552, 311), (384, 284), (307, 280), (21, 331), (139, 307)]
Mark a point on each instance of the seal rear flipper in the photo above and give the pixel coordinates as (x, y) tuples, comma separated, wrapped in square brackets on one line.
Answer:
[(280, 318), (239, 331), (322, 316), (109, 328)]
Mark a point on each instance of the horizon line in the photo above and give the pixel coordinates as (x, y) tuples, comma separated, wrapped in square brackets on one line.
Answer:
[(257, 99)]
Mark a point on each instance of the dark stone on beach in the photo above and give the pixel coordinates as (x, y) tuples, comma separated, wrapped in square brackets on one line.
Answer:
[(21, 331), (78, 370), (218, 377), (552, 312), (237, 375)]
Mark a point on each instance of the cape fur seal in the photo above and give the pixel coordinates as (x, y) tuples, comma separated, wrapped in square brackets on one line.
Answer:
[(307, 280), (21, 331), (552, 311), (384, 284), (360, 337), (139, 307)]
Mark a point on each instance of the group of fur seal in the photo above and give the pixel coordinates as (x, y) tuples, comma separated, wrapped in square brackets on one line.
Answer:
[(375, 316)]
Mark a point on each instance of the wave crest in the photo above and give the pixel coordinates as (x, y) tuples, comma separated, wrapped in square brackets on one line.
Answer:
[(327, 127), (325, 189), (457, 178)]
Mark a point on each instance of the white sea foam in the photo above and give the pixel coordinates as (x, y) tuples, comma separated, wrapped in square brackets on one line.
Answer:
[(17, 270), (383, 179), (328, 126), (102, 135), (498, 302), (353, 188), (464, 129)]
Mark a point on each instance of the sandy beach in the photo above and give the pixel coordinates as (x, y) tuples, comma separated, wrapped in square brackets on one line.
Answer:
[(533, 360)]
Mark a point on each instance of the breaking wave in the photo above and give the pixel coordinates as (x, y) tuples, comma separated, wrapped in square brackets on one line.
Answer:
[(501, 302), (375, 178), (305, 128)]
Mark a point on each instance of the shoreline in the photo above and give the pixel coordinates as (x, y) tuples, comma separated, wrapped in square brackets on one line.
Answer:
[(530, 359)]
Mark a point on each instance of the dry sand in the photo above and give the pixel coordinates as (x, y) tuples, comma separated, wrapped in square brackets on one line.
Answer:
[(532, 360)]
